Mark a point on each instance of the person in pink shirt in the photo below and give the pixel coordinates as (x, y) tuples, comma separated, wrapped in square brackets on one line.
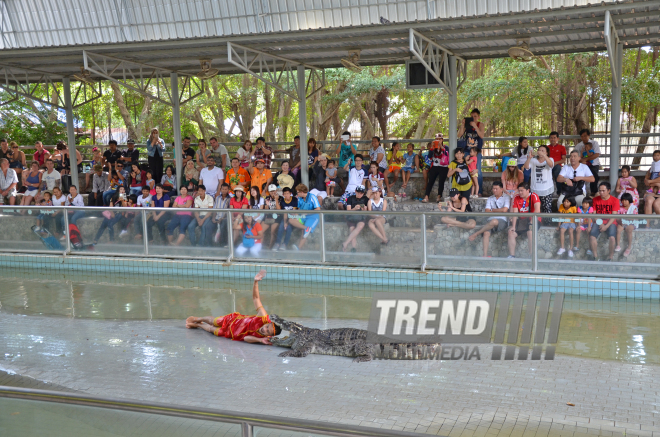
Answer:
[(474, 173), (181, 219)]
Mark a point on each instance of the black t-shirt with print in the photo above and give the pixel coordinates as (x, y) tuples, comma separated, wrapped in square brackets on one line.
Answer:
[(353, 201), (112, 157)]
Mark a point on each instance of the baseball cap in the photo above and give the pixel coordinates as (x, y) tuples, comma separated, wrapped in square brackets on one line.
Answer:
[(272, 187), (359, 189), (512, 163), (259, 159), (453, 192), (374, 189), (130, 141)]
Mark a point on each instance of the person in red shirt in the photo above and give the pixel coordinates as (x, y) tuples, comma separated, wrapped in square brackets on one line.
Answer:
[(525, 201), (558, 155), (604, 203), (238, 327)]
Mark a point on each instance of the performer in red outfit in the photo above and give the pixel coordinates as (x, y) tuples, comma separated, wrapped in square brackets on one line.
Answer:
[(252, 329)]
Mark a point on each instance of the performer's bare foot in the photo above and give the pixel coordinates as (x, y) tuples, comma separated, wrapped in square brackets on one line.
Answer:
[(193, 322), (259, 276)]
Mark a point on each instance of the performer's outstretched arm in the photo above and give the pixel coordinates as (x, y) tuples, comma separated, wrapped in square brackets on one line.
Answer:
[(255, 294)]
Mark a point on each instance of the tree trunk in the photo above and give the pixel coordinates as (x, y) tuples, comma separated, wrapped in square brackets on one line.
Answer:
[(382, 106), (123, 110), (270, 113), (648, 121)]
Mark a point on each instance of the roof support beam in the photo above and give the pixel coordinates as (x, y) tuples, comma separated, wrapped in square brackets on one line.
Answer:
[(434, 58), (145, 79), (612, 42)]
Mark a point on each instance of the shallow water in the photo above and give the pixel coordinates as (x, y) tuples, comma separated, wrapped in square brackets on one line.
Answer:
[(625, 330)]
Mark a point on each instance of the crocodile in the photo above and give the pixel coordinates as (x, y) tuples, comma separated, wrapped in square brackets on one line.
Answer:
[(345, 342)]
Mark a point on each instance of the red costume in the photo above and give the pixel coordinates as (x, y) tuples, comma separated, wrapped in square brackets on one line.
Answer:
[(237, 326)]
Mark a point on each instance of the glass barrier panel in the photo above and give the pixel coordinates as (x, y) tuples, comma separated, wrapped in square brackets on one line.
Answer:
[(105, 230), (20, 417), (629, 246), (465, 241), (32, 229), (259, 431)]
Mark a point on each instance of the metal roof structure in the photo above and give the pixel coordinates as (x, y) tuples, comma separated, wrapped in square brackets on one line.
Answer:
[(50, 35)]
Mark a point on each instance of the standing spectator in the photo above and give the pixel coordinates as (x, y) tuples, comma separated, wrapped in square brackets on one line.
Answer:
[(474, 173), (408, 165), (50, 179), (541, 176), (627, 184), (652, 182), (568, 207), (67, 160), (237, 175), (244, 154), (263, 152), (221, 202), (604, 203), (131, 155), (377, 154), (589, 151), (202, 219), (475, 131), (181, 219), (525, 202), (356, 176), (423, 164), (137, 179), (16, 160), (202, 154), (306, 202), (294, 158), (498, 202), (187, 152), (219, 152), (155, 151), (355, 222), (346, 151), (284, 177), (629, 225), (41, 155), (558, 155), (252, 236), (158, 218), (32, 185), (512, 176), (312, 154), (8, 182), (261, 175), (575, 177), (112, 155), (4, 148), (97, 159), (75, 199), (377, 222), (190, 176), (286, 203), (458, 202), (168, 181), (395, 162), (519, 153), (459, 174), (58, 158), (211, 177), (437, 161)]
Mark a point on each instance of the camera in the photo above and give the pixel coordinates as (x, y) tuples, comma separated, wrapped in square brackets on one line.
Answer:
[(345, 137), (122, 196)]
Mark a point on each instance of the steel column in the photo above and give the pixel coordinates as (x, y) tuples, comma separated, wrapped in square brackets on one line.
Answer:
[(70, 132), (67, 237), (230, 237), (535, 244), (145, 237), (423, 242), (453, 104), (322, 238), (302, 121), (176, 126), (615, 122)]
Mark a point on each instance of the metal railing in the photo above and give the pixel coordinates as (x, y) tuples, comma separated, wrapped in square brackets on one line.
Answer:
[(247, 421), (419, 253)]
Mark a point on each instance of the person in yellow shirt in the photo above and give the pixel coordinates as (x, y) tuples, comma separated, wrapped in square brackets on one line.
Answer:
[(568, 206), (395, 161), (237, 175), (460, 174), (261, 176)]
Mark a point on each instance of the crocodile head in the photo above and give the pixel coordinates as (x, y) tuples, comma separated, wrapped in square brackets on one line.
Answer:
[(286, 325)]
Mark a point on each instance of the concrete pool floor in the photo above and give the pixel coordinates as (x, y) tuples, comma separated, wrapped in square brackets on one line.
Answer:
[(161, 361)]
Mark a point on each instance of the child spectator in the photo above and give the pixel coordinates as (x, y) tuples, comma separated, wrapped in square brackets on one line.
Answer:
[(474, 173), (190, 177), (151, 183), (628, 207), (252, 235), (652, 182), (45, 216), (512, 176), (258, 202), (375, 180), (627, 184), (356, 176), (584, 224), (331, 177), (409, 165), (568, 207), (394, 160)]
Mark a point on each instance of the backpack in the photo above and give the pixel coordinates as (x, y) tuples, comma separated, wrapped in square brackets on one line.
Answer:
[(462, 175), (248, 242), (76, 237)]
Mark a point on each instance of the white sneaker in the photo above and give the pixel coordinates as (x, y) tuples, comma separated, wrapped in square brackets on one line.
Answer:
[(575, 249), (510, 257), (123, 232), (37, 228), (589, 252), (276, 247), (570, 254), (294, 247), (561, 251)]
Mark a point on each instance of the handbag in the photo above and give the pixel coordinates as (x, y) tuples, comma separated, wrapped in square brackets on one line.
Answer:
[(577, 189), (248, 242)]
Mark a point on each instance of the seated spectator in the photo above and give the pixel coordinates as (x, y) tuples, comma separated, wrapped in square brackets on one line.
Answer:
[(627, 184), (312, 154), (219, 152), (355, 222), (201, 219), (32, 184), (356, 177), (263, 152), (252, 235), (575, 177), (41, 155), (541, 181), (96, 160), (604, 203), (629, 225), (498, 202), (272, 220), (652, 183), (244, 155), (110, 218), (318, 178), (331, 179), (16, 159), (168, 181), (221, 202), (202, 154), (408, 165), (100, 184), (75, 199), (143, 201), (377, 222), (589, 151), (181, 219), (67, 160), (458, 202), (519, 153), (58, 158), (459, 174), (284, 178), (258, 202), (132, 155), (151, 183), (525, 201), (191, 177), (237, 175), (568, 207), (137, 179), (423, 164), (158, 218), (394, 162), (377, 154), (584, 225), (188, 155), (261, 176), (286, 203), (114, 183), (306, 202), (294, 158), (59, 199), (239, 201), (50, 179), (211, 176), (376, 179), (45, 218), (512, 176), (8, 183)]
